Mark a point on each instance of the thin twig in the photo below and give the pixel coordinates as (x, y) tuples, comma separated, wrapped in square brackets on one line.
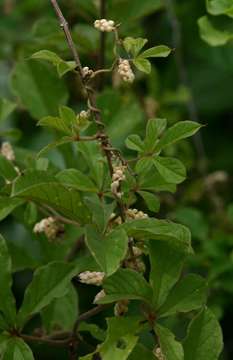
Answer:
[(179, 58), (87, 315), (46, 340)]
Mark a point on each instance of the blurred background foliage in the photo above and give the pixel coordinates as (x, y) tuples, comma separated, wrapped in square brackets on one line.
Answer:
[(195, 81)]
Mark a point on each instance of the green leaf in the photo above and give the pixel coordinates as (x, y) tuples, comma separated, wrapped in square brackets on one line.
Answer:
[(7, 169), (38, 87), (204, 339), (93, 329), (6, 108), (17, 349), (40, 187), (53, 145), (62, 66), (61, 313), (154, 129), (134, 45), (56, 123), (120, 340), (77, 180), (166, 265), (30, 213), (134, 142), (180, 130), (212, 35), (171, 348), (157, 51), (187, 295), (100, 210), (140, 352), (49, 282), (151, 200), (7, 301), (7, 205), (142, 64), (126, 284), (151, 180), (152, 229), (171, 169), (101, 248), (220, 7)]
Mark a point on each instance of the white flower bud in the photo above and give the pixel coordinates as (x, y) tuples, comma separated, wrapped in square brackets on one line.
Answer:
[(101, 294), (121, 308), (7, 151), (158, 354), (104, 25), (49, 226), (91, 277), (84, 114), (125, 71)]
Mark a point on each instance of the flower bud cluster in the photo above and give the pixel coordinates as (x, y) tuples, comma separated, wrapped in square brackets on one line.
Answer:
[(100, 295), (104, 25), (158, 354), (117, 177), (125, 71), (84, 115), (135, 264), (121, 308), (49, 226), (86, 71), (134, 214), (91, 277), (7, 151)]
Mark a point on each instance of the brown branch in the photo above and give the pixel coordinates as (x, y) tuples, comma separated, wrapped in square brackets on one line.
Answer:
[(87, 315)]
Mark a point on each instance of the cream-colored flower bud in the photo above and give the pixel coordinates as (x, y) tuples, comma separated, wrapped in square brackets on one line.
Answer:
[(101, 294), (121, 308), (91, 277), (7, 151)]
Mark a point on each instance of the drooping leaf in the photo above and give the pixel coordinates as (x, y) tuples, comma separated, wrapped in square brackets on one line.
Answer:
[(38, 88), (120, 340), (108, 250), (187, 295), (93, 329), (53, 145), (7, 169), (204, 338), (134, 142), (157, 51), (153, 229), (154, 129), (6, 108), (62, 66), (49, 282), (43, 188), (100, 210), (220, 7), (77, 180), (180, 130), (166, 266), (171, 169), (17, 349), (142, 64), (171, 348), (61, 313), (151, 200), (126, 284), (141, 352), (212, 35), (7, 205), (7, 301), (134, 45)]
